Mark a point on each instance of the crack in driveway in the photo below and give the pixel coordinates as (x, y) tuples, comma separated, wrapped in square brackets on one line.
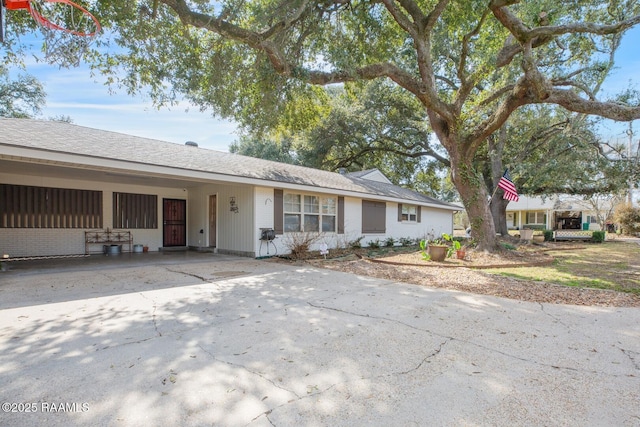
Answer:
[(484, 347), (153, 314), (238, 365)]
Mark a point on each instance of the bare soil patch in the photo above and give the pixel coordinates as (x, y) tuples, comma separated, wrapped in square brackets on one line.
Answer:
[(472, 274)]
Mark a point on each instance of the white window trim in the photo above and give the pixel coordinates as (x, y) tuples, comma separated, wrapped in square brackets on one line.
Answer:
[(539, 215), (407, 208), (319, 214)]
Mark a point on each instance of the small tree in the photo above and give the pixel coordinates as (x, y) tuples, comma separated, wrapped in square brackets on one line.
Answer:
[(628, 218), (602, 205)]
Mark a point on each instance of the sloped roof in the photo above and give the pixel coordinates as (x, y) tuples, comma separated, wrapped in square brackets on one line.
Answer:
[(370, 174), (61, 137)]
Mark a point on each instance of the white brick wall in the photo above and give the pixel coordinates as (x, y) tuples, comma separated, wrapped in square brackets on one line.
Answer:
[(18, 242)]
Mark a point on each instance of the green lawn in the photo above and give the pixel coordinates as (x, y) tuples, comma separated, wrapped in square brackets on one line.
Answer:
[(610, 265)]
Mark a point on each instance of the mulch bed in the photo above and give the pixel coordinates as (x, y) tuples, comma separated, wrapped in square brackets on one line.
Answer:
[(469, 275)]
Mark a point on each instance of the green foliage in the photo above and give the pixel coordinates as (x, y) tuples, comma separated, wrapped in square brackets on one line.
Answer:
[(548, 235), (406, 241), (375, 244), (261, 62), (534, 227), (266, 148), (507, 246), (389, 242), (22, 97), (356, 243), (628, 218), (598, 236), (444, 240)]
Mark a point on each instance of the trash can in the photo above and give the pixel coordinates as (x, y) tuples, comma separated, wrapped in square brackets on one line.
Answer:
[(585, 226), (137, 249)]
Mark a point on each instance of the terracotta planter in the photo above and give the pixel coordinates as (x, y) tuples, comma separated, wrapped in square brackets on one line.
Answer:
[(538, 238), (461, 254), (437, 253)]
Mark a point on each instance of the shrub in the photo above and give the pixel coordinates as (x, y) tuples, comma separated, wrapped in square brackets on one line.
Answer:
[(598, 236), (406, 241), (374, 244), (299, 243), (389, 242), (508, 247), (548, 235), (628, 218), (533, 227), (357, 243)]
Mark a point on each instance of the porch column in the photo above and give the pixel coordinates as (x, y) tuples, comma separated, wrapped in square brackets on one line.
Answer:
[(520, 224)]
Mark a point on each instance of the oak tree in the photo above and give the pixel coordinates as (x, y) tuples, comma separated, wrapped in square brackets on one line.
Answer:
[(469, 63)]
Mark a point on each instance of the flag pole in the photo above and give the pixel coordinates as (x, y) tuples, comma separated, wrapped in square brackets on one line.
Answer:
[(493, 194), (496, 189)]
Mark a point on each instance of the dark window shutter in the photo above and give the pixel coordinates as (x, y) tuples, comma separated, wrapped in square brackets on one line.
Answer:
[(373, 217), (278, 213), (340, 215), (399, 212), (419, 213)]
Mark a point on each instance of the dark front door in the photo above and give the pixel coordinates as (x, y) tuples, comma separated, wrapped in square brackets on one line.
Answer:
[(175, 222)]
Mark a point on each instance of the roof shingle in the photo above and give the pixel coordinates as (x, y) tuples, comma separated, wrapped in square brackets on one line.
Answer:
[(62, 137)]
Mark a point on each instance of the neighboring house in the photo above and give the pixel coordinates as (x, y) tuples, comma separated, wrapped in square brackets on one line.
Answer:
[(59, 180), (551, 213)]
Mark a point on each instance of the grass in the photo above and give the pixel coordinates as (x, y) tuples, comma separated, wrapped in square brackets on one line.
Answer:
[(610, 265)]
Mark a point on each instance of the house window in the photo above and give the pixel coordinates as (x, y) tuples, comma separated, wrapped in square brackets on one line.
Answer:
[(135, 210), (23, 206), (309, 213), (536, 217), (409, 213), (374, 217), (329, 211)]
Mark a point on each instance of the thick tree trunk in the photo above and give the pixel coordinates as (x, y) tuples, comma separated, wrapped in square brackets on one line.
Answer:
[(498, 205), (474, 196), (499, 214)]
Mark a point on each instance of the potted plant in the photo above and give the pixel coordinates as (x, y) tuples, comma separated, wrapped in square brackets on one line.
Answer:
[(439, 248), (461, 251)]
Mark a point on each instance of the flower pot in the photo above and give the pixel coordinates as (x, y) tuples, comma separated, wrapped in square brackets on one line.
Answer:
[(437, 253), (526, 234), (461, 254), (538, 238)]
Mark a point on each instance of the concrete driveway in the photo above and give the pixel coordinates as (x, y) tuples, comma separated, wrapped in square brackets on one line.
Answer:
[(213, 340)]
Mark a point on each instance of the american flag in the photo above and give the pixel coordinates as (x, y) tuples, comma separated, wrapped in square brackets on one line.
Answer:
[(510, 192)]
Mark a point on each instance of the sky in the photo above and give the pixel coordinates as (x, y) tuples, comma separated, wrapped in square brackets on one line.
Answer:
[(74, 93)]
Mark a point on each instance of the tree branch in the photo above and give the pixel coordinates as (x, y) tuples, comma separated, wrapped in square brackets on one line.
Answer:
[(402, 19), (610, 110), (467, 85), (584, 27)]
